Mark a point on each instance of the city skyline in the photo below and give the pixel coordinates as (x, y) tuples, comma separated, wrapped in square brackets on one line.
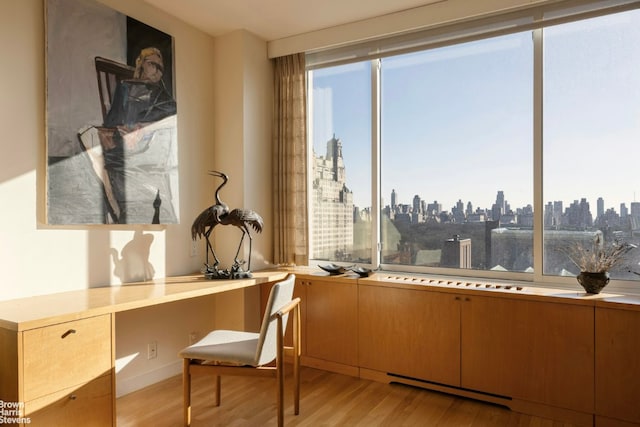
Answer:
[(566, 203)]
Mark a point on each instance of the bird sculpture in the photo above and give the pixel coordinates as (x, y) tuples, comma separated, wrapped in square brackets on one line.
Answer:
[(244, 219), (219, 213), (205, 222)]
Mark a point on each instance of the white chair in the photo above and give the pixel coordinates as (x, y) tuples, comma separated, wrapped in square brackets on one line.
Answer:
[(224, 352)]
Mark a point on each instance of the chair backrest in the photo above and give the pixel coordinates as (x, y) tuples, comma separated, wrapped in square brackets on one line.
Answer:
[(281, 294), (109, 74)]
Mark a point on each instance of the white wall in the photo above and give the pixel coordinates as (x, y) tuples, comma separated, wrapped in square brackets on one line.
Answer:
[(37, 259)]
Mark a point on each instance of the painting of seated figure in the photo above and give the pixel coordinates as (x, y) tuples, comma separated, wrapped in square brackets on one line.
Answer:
[(111, 118)]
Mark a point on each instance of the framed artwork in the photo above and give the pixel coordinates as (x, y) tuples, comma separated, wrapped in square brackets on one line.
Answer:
[(111, 132)]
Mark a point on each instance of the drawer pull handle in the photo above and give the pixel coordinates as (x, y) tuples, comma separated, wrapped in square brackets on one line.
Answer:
[(69, 332), (72, 397)]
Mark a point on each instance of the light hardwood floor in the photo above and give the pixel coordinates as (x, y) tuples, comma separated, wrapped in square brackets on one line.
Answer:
[(327, 399)]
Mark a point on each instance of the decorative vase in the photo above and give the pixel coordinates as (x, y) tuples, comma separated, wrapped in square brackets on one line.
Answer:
[(593, 283)]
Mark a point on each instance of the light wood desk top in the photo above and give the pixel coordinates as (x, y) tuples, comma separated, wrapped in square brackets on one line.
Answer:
[(37, 311)]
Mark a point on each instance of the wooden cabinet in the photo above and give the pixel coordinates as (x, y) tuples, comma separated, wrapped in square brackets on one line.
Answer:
[(617, 365), (542, 352), (522, 352), (536, 351), (63, 372), (329, 319), (410, 332)]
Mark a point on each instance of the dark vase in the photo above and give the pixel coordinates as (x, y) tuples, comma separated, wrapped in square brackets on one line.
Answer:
[(593, 282)]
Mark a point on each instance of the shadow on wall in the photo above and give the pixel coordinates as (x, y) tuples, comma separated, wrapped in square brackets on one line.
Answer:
[(132, 264)]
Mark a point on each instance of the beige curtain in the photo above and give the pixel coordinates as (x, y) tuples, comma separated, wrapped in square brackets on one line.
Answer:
[(290, 161)]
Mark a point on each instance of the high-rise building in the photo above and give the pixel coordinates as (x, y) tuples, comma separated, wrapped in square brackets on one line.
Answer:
[(416, 211), (332, 236), (500, 202), (394, 199), (456, 252), (600, 207), (624, 212)]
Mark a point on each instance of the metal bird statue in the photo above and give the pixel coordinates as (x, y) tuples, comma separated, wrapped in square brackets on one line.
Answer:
[(205, 222), (219, 213), (244, 219)]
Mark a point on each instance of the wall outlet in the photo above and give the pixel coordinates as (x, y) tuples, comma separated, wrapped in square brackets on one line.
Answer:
[(152, 350)]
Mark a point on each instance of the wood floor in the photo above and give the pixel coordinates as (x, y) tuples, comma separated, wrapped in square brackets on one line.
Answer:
[(327, 399)]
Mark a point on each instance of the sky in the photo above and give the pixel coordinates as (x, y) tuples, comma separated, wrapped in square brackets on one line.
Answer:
[(457, 122)]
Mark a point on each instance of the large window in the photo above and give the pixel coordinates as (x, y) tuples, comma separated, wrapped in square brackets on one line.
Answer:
[(340, 167), (457, 156), (490, 156), (592, 138)]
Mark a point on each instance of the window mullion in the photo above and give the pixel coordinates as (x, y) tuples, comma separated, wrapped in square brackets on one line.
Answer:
[(538, 201), (376, 195)]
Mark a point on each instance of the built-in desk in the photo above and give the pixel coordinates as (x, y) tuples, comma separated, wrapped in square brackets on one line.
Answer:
[(58, 350)]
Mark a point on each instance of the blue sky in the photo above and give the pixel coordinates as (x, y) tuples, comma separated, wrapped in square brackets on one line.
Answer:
[(457, 121)]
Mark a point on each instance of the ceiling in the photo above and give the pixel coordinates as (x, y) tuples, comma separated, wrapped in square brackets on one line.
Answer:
[(276, 19)]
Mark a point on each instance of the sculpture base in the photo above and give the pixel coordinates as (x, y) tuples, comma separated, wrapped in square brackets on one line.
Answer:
[(236, 272)]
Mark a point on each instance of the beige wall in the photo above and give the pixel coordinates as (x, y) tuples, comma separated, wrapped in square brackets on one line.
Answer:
[(38, 259)]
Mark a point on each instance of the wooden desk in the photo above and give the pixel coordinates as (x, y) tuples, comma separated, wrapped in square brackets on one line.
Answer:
[(58, 350)]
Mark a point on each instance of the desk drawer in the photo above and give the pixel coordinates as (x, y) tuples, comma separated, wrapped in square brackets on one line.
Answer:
[(65, 355), (84, 405)]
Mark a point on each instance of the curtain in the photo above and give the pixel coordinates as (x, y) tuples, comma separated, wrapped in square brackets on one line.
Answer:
[(290, 161)]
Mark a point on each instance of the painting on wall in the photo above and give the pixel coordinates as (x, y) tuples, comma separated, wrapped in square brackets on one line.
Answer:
[(111, 114)]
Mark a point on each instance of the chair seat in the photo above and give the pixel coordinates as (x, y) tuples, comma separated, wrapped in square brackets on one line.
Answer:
[(226, 347)]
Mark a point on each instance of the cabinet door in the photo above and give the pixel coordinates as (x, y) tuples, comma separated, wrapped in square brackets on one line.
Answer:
[(618, 364), (410, 332), (331, 321), (489, 338), (536, 351)]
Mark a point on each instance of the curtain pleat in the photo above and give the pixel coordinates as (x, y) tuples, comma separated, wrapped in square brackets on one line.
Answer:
[(290, 161)]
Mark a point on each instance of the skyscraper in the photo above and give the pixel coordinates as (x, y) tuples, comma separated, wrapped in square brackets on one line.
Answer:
[(600, 207), (332, 236)]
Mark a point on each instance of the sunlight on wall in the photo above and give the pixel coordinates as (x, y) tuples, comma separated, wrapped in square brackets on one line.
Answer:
[(28, 250), (124, 361)]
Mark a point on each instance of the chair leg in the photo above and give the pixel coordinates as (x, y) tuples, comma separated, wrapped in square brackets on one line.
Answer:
[(218, 390), (186, 383), (280, 372), (296, 360)]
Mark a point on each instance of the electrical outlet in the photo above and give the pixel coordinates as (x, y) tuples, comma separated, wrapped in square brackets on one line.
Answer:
[(152, 350), (194, 248), (193, 337)]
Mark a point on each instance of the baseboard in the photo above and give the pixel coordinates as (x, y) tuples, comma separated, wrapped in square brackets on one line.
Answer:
[(129, 385), (327, 365)]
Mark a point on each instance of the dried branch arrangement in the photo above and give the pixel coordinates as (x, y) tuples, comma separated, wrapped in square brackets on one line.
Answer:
[(597, 258)]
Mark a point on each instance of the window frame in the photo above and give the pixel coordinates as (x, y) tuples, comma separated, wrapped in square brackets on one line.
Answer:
[(534, 19)]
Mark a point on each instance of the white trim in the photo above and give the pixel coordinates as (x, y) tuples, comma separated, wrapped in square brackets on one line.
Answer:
[(129, 385)]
